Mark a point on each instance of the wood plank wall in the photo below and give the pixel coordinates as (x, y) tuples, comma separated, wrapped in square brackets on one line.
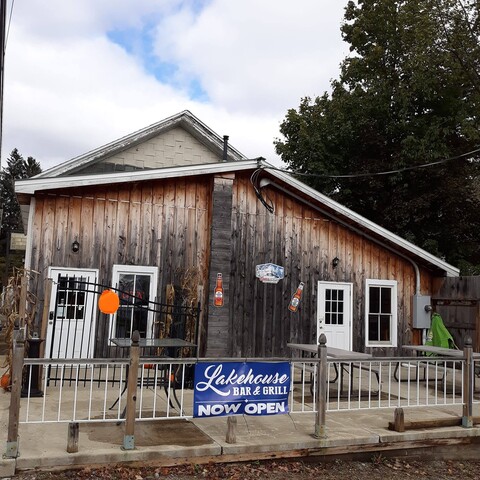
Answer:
[(457, 300), (167, 224), (304, 242), (162, 223)]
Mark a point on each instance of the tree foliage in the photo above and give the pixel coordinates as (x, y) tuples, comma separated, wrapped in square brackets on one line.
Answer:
[(17, 169), (407, 95)]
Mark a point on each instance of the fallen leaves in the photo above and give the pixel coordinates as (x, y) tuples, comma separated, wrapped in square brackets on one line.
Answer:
[(379, 468)]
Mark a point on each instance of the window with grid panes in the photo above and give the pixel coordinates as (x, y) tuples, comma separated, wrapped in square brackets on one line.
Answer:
[(334, 307), (381, 313)]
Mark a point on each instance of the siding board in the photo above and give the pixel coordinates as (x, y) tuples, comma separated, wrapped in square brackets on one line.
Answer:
[(171, 224)]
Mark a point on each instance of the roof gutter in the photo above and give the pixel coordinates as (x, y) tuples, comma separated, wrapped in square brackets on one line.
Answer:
[(35, 184)]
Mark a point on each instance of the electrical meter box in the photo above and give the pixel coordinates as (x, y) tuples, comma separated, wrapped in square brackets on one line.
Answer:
[(422, 308)]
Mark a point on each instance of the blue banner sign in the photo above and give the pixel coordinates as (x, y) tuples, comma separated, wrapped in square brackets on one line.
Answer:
[(238, 388)]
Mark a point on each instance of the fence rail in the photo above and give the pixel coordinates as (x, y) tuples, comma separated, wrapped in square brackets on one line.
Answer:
[(93, 390), (386, 383), (139, 388)]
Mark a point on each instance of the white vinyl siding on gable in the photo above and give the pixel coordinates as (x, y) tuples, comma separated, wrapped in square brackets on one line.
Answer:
[(381, 313), (176, 147)]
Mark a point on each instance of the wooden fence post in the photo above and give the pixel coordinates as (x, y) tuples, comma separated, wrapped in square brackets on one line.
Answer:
[(321, 417), (72, 437), (129, 437), (231, 436), (468, 382), (399, 420), (15, 393)]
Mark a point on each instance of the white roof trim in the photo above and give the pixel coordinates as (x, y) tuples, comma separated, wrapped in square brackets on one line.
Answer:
[(190, 122), (36, 184), (364, 222)]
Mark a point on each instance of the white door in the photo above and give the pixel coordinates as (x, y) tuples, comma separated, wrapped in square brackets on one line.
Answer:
[(334, 314), (72, 313)]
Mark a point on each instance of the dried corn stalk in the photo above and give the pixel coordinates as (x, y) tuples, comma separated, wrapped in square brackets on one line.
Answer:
[(10, 308)]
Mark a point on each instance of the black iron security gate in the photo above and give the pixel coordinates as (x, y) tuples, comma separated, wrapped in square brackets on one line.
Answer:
[(77, 329)]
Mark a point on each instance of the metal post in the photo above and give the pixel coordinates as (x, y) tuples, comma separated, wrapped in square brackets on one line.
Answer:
[(320, 417), (129, 437), (467, 419), (14, 411), (22, 307)]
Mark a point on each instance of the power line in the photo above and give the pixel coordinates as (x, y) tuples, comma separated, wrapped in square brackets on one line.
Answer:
[(372, 174), (3, 22), (9, 22)]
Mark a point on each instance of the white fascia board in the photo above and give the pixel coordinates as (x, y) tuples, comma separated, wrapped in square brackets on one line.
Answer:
[(204, 134), (450, 270), (111, 147), (33, 185)]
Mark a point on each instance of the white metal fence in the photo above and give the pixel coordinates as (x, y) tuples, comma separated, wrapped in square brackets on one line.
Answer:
[(385, 383), (103, 390), (95, 391)]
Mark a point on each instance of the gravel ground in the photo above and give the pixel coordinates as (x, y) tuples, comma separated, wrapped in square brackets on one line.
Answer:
[(378, 468)]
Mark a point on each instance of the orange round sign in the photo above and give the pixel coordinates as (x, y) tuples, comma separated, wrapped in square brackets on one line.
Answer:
[(5, 381), (108, 302)]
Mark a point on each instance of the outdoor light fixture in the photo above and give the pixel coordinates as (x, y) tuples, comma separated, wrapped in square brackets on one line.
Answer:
[(335, 262), (75, 246)]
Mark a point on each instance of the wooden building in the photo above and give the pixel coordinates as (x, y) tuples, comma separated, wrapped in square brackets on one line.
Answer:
[(175, 200)]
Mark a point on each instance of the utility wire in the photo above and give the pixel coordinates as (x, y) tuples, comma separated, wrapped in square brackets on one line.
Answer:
[(266, 202), (9, 22), (3, 22), (388, 172)]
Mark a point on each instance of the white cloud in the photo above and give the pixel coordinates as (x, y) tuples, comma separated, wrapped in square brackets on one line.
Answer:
[(253, 56), (69, 89)]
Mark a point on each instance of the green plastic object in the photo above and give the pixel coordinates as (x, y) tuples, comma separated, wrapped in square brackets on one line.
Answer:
[(438, 335)]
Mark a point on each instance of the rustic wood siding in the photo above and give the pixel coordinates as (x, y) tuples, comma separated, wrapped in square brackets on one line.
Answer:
[(184, 223), (457, 300), (304, 242), (163, 224)]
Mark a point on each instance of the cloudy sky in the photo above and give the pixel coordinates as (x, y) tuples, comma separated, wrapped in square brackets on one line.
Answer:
[(80, 74)]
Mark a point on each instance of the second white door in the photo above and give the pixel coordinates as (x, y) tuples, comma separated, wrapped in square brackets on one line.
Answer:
[(334, 314)]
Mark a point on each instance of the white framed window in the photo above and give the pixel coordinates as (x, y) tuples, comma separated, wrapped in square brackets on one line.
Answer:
[(137, 287), (381, 313)]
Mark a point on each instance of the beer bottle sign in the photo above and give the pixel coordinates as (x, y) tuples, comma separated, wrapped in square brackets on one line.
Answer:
[(295, 301), (218, 293)]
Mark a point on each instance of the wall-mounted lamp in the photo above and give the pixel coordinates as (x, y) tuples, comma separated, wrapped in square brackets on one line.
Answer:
[(75, 246), (335, 262)]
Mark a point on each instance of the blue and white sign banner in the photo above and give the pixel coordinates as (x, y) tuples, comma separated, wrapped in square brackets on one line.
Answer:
[(238, 388)]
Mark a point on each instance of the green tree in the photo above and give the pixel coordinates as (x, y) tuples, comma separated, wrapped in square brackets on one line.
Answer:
[(407, 95), (17, 169)]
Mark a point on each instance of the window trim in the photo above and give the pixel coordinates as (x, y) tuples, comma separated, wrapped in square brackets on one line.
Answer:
[(136, 269), (393, 285)]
